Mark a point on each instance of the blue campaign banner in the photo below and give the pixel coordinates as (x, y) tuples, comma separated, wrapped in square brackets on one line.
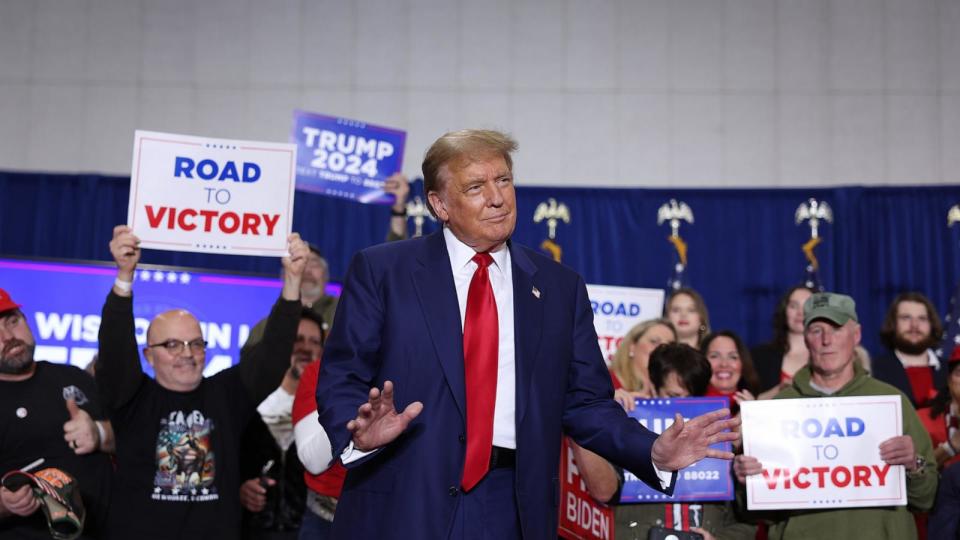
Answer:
[(707, 480), (63, 302), (346, 158)]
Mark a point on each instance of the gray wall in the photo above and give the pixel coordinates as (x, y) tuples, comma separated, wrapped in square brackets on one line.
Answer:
[(625, 93)]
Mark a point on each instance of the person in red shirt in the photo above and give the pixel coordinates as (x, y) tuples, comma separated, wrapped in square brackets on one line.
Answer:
[(942, 417), (324, 477)]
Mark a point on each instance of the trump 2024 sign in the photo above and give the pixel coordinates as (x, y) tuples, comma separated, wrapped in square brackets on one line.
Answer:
[(211, 195), (822, 452), (345, 158)]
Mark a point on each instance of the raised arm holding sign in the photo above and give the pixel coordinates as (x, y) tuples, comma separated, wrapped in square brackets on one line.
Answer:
[(178, 434)]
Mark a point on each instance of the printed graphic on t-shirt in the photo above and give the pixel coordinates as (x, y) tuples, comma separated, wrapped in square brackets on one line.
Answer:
[(186, 464), (72, 392)]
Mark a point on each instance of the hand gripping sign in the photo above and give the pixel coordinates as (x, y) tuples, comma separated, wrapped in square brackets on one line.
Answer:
[(706, 480), (822, 452), (211, 195), (346, 158)]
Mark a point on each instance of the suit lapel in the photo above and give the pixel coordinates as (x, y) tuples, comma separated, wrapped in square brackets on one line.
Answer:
[(433, 281), (527, 322)]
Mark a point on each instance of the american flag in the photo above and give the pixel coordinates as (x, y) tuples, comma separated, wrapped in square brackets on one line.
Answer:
[(678, 279), (812, 279), (951, 326)]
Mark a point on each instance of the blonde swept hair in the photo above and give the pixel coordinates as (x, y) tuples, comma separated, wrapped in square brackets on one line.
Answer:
[(622, 362)]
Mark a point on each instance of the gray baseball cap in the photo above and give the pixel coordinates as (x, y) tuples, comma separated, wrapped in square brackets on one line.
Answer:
[(836, 308)]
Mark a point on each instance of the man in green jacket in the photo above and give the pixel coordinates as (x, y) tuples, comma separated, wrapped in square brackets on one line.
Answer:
[(832, 332)]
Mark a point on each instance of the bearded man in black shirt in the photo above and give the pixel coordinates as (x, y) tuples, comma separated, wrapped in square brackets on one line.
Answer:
[(47, 411)]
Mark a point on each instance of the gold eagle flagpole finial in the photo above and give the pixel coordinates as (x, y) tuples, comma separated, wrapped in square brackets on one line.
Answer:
[(953, 215), (673, 212), (813, 211), (552, 212)]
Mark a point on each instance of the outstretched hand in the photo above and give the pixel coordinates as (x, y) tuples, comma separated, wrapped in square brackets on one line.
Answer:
[(685, 443), (378, 423)]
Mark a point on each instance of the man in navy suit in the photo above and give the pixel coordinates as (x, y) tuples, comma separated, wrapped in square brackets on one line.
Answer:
[(486, 354)]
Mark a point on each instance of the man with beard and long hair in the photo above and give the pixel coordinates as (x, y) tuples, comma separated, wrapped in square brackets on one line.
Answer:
[(274, 501), (48, 412), (911, 330)]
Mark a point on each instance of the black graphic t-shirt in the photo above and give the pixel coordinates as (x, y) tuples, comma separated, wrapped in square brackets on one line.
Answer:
[(32, 415), (178, 452)]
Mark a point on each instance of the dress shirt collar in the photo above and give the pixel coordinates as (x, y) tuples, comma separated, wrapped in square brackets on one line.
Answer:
[(461, 254), (932, 359)]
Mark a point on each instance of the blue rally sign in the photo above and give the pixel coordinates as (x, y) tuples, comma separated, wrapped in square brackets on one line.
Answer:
[(64, 312), (346, 158), (707, 480)]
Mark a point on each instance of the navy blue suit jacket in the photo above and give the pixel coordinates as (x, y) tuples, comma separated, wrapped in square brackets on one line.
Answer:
[(890, 370), (398, 319)]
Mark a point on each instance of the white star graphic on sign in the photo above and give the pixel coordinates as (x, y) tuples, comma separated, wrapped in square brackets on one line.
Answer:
[(205, 491), (172, 277), (158, 276), (157, 490), (145, 275)]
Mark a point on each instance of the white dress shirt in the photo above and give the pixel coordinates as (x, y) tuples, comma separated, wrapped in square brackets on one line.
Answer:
[(501, 280)]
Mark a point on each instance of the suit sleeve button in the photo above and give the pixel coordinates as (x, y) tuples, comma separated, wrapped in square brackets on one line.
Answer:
[(453, 491), (462, 438)]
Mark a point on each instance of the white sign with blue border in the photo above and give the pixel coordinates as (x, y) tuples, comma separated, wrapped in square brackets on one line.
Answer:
[(617, 309), (706, 480), (823, 453), (345, 158), (210, 195)]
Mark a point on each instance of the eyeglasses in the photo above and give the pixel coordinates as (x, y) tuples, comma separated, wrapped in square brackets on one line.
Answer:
[(177, 346)]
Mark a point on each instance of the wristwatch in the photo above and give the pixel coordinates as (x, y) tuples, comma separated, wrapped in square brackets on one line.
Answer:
[(921, 466)]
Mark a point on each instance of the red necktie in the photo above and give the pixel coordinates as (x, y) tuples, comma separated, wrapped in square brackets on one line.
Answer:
[(481, 340)]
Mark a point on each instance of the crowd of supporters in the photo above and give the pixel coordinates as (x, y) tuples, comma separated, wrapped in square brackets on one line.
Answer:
[(242, 455)]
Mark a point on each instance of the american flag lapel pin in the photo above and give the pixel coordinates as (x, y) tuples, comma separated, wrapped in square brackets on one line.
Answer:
[(536, 292)]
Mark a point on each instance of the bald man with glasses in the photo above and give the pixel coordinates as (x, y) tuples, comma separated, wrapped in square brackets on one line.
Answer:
[(178, 434)]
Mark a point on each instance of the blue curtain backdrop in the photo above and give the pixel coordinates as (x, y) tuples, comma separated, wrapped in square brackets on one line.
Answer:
[(744, 248)]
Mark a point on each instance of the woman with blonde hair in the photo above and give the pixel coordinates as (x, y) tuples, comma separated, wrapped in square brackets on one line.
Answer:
[(629, 369)]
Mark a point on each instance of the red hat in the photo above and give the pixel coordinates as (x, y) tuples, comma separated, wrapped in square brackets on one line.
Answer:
[(7, 303), (954, 356)]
